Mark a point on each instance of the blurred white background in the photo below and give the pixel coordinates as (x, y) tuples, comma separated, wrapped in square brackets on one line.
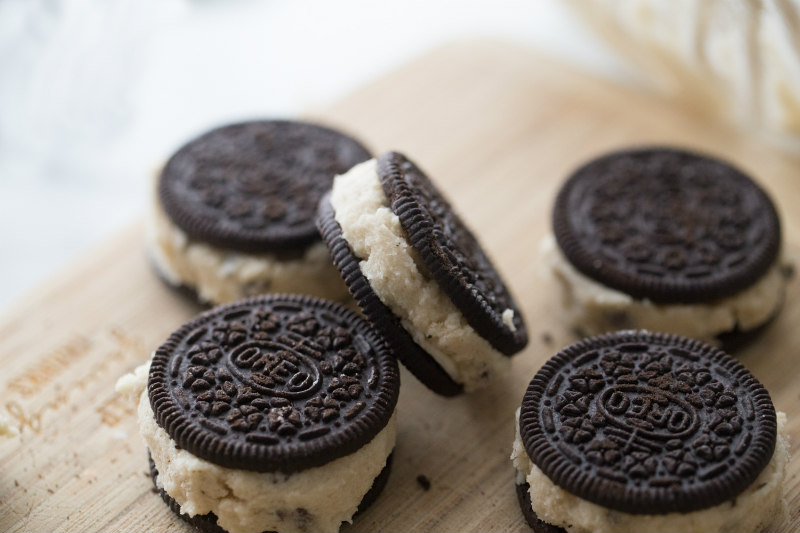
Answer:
[(95, 93)]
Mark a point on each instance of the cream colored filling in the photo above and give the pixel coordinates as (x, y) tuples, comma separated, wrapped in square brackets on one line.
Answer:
[(595, 308), (316, 499), (221, 276), (389, 262), (759, 506)]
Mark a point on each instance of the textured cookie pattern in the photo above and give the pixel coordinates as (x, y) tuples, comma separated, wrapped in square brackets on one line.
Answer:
[(255, 186), (667, 225), (207, 523), (451, 253), (418, 361), (273, 383), (648, 423)]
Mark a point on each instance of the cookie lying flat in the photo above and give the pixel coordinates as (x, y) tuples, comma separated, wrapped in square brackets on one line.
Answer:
[(420, 276), (275, 413), (234, 215), (666, 240), (636, 431)]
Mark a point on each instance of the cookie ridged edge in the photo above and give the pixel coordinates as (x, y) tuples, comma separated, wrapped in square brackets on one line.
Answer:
[(283, 457), (243, 240), (667, 292), (414, 358), (660, 500), (418, 227)]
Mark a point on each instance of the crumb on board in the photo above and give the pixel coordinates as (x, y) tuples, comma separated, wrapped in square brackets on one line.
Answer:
[(547, 338), (424, 482)]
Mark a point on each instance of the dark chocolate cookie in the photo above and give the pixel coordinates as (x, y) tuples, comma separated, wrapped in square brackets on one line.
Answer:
[(451, 253), (273, 383), (417, 360), (207, 523), (648, 423), (524, 499), (667, 225), (255, 186)]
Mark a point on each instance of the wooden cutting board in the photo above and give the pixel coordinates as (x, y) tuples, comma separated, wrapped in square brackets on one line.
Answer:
[(499, 128)]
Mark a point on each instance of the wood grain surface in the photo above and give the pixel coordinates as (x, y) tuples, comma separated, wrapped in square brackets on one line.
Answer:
[(499, 128)]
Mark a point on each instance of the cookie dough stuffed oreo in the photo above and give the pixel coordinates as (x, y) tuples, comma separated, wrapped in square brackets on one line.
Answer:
[(235, 208), (667, 240), (636, 431), (420, 276), (275, 413)]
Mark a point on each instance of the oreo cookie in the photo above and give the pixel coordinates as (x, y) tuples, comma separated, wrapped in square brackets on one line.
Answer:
[(286, 385), (641, 423), (420, 275), (255, 186), (452, 254), (417, 360), (667, 228), (248, 190)]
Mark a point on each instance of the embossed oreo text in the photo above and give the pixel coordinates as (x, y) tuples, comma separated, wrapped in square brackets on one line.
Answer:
[(266, 374), (649, 415)]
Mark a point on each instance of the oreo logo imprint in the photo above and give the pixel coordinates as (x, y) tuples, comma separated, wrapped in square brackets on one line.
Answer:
[(273, 383), (274, 369), (650, 423), (652, 412)]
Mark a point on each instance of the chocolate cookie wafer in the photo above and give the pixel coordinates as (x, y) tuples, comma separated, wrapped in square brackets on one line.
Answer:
[(420, 275), (423, 366), (667, 240), (637, 431), (235, 209), (270, 414)]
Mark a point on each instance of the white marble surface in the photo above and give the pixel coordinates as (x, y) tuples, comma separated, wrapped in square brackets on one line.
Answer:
[(96, 92)]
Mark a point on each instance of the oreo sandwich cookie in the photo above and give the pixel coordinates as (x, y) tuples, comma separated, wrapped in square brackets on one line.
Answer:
[(641, 431), (666, 240), (420, 276), (274, 413), (235, 209)]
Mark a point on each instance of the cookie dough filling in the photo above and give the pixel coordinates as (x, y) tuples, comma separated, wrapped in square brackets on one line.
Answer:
[(669, 240), (398, 276), (640, 431), (234, 213), (759, 506), (595, 308), (221, 275), (316, 499), (274, 413)]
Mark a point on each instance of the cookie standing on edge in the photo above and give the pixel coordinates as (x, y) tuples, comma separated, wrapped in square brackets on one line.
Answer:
[(275, 413), (235, 209), (420, 276), (638, 431), (666, 240)]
